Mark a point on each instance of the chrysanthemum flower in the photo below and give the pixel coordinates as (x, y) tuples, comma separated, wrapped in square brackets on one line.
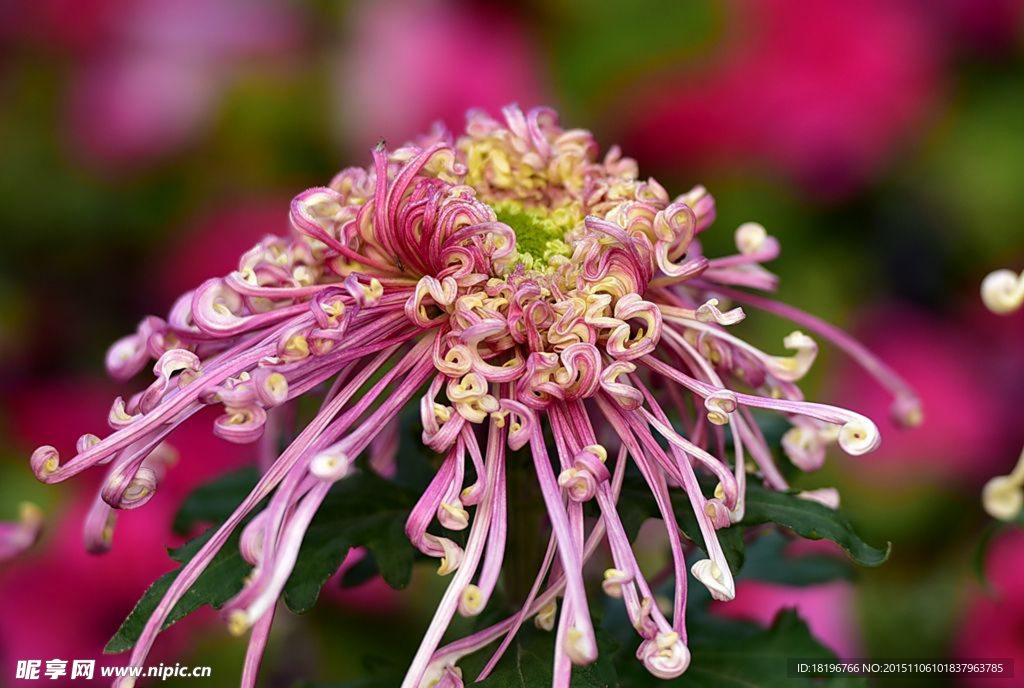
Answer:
[(1002, 292), (17, 536), (528, 295)]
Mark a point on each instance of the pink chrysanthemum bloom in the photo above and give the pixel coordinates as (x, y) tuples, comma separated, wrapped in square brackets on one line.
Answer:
[(17, 536), (529, 287), (1002, 292)]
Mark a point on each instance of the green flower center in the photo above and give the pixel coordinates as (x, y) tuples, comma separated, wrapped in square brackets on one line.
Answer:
[(540, 232)]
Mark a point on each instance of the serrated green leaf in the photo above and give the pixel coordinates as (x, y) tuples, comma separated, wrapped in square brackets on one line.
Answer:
[(810, 520), (392, 552), (767, 561), (213, 502), (318, 559), (221, 581), (806, 518), (361, 572), (362, 510)]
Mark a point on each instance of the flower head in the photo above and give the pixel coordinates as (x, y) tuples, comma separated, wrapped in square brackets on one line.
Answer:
[(17, 536), (534, 289)]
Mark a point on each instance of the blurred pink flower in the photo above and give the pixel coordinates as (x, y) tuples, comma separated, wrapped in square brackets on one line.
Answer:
[(39, 581), (961, 436), (992, 625), (220, 232), (827, 609), (159, 67), (127, 110), (18, 536), (92, 605), (374, 597), (820, 90), (413, 63)]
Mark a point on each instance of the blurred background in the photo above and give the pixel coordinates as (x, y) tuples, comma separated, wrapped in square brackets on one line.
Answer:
[(145, 143)]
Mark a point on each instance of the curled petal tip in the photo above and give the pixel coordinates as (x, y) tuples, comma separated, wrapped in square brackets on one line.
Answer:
[(98, 532), (750, 237), (795, 367), (613, 581), (452, 515), (859, 436), (804, 447), (452, 558), (139, 490), (330, 466), (241, 425), (709, 312), (906, 411), (665, 655), (1002, 291), (717, 580), (251, 543), (581, 647), (1003, 498), (826, 496), (44, 462), (271, 386), (471, 602), (86, 442), (720, 405), (238, 622), (718, 513), (545, 618)]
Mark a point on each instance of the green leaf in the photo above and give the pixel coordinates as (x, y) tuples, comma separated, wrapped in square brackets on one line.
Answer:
[(810, 520), (213, 502), (527, 663), (362, 571), (362, 510), (392, 552), (221, 581), (767, 561)]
